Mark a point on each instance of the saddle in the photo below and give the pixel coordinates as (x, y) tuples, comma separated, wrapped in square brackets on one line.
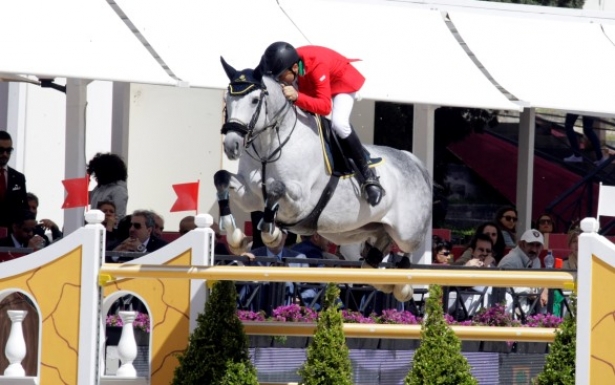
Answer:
[(336, 161)]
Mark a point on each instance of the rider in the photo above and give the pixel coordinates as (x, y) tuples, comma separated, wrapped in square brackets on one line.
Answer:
[(321, 81)]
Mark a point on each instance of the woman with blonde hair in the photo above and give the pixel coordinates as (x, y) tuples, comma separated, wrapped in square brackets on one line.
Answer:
[(573, 244)]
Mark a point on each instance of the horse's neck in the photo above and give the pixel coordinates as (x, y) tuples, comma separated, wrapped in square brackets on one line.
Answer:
[(299, 140)]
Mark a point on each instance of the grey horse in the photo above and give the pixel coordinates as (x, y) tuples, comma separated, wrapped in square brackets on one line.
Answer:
[(283, 171)]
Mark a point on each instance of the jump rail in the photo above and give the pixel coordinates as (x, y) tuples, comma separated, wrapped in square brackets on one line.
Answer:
[(484, 277)]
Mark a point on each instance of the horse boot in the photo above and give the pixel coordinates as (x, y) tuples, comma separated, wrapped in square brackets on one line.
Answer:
[(372, 261), (371, 189)]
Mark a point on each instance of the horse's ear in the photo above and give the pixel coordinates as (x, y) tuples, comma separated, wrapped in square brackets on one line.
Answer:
[(230, 71)]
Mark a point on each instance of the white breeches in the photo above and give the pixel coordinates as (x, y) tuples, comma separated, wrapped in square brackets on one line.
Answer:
[(340, 114)]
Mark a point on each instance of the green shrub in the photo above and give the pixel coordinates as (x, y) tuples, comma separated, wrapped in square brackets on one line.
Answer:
[(328, 359), (218, 341), (559, 366), (239, 373), (438, 361)]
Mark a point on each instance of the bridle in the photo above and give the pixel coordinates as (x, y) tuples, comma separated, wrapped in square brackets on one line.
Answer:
[(247, 131)]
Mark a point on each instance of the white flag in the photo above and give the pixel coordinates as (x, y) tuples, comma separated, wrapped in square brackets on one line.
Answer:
[(606, 201)]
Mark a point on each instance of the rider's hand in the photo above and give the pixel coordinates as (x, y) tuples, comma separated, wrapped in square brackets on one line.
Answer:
[(290, 93)]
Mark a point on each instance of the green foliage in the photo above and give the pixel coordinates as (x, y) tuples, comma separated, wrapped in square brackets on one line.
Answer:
[(438, 361), (328, 360), (239, 373), (218, 341), (550, 3), (560, 364)]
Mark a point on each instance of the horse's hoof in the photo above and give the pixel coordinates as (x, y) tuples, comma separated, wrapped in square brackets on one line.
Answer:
[(403, 293), (272, 240)]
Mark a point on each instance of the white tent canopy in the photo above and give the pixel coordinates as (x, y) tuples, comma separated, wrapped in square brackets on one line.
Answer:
[(547, 63), (407, 54), (81, 39), (191, 35)]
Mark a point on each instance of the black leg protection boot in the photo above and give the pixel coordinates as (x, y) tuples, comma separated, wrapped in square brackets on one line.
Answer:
[(371, 189)]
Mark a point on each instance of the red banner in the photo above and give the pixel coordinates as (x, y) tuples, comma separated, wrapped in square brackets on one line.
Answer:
[(187, 197), (77, 194)]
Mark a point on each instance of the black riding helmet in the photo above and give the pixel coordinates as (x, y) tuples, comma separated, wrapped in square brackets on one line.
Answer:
[(279, 57)]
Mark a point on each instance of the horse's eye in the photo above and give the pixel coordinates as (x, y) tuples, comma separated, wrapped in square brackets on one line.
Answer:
[(255, 101)]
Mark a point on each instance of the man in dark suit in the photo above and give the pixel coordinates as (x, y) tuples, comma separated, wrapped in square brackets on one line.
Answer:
[(140, 237), (22, 232), (12, 184)]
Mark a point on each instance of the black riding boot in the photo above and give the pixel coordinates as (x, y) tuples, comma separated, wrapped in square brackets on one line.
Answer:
[(371, 189)]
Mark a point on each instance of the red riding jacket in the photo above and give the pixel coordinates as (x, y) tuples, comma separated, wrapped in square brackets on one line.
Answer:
[(327, 73)]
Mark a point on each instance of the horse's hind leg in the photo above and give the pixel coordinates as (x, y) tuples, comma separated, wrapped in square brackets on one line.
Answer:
[(237, 240), (375, 255)]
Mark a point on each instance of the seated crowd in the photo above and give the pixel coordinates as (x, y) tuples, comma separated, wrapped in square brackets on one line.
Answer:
[(494, 244)]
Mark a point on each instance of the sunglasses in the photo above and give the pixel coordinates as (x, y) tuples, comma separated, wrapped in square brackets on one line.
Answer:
[(445, 253), (7, 150), (135, 225), (545, 221), (509, 218)]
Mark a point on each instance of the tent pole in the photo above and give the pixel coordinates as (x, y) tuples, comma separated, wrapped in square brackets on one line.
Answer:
[(75, 162), (525, 169)]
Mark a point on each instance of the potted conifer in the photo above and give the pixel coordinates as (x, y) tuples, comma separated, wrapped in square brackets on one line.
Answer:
[(438, 360)]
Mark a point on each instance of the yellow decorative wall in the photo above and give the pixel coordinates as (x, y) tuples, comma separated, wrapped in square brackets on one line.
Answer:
[(602, 364), (169, 303), (56, 288)]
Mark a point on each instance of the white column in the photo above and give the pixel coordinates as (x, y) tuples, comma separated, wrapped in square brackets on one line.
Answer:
[(423, 148), (13, 119), (90, 313), (127, 347), (120, 119), (525, 169), (15, 349), (202, 254), (362, 119), (75, 162)]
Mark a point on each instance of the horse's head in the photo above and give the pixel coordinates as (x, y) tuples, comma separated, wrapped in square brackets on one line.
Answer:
[(248, 111)]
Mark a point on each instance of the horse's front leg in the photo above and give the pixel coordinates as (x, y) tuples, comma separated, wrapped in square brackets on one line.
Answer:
[(270, 233), (226, 182)]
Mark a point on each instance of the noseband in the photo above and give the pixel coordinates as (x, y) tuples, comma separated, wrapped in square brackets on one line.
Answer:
[(247, 131)]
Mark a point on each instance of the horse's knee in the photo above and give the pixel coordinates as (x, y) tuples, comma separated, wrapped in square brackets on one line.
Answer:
[(275, 191), (222, 180)]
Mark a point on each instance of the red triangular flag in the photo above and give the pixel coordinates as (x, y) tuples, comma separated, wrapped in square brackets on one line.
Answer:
[(77, 193), (187, 197)]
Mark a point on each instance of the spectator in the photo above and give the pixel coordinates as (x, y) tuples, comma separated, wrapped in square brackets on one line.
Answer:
[(12, 184), (588, 130), (525, 256), (506, 219), (140, 236), (44, 224), (482, 250), (187, 224), (544, 224), (158, 224), (22, 232), (280, 252), (110, 173), (573, 244), (312, 246), (497, 239), (441, 254)]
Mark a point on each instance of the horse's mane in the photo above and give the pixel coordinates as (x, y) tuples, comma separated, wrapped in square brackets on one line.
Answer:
[(276, 95)]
